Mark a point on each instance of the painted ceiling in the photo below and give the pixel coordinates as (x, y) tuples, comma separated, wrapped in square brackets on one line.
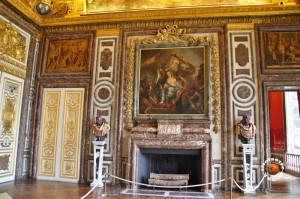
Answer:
[(62, 12), (96, 6)]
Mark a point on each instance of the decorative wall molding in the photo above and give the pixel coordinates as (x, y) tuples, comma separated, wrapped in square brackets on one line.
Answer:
[(153, 14), (10, 110), (28, 132), (237, 174), (14, 43), (60, 144), (243, 86), (262, 19), (216, 175), (107, 168), (12, 69), (104, 91), (240, 26)]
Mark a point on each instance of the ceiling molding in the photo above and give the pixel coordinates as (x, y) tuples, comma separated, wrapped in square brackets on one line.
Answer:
[(142, 15)]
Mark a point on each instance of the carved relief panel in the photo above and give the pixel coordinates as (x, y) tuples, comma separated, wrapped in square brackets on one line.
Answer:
[(14, 46), (10, 107), (61, 134)]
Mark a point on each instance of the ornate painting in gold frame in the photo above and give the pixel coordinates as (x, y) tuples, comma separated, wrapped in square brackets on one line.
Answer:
[(173, 37), (171, 81), (67, 54), (280, 48)]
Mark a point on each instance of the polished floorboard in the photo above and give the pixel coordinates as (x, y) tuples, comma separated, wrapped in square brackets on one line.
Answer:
[(285, 188)]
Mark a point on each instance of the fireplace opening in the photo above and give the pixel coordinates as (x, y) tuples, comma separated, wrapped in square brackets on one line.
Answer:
[(169, 161)]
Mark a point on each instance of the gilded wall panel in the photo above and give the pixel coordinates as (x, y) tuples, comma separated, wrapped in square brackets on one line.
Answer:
[(14, 44), (49, 133), (70, 149), (10, 107), (60, 143)]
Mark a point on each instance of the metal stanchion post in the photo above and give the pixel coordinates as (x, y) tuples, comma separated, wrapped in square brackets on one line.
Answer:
[(231, 188), (105, 177), (105, 183)]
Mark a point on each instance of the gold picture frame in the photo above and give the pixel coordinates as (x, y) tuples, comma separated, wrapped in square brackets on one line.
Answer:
[(172, 37), (67, 54), (171, 81), (280, 50)]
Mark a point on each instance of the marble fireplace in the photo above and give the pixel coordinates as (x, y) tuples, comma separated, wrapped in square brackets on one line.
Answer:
[(163, 146)]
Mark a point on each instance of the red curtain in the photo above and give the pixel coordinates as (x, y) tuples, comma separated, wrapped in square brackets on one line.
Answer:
[(277, 126)]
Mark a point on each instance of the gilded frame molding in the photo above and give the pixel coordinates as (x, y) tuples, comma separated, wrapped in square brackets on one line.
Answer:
[(67, 54), (276, 45), (171, 81), (174, 35)]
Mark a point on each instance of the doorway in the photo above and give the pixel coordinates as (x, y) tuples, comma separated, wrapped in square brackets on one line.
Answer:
[(60, 136), (11, 93), (284, 115)]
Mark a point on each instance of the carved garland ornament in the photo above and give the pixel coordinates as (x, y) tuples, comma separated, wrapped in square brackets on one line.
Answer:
[(11, 41), (173, 34)]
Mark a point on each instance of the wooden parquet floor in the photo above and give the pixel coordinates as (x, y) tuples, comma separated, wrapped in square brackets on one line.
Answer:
[(288, 188)]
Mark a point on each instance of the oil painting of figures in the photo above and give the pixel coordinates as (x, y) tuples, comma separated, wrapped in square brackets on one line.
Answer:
[(66, 56), (172, 81), (282, 49)]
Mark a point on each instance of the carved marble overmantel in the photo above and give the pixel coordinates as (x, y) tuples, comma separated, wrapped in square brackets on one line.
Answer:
[(171, 134)]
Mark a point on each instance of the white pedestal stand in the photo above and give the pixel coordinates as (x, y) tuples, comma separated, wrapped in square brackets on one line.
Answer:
[(247, 160), (98, 152)]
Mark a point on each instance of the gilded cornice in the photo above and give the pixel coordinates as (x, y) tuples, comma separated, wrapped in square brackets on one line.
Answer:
[(278, 19), (108, 32), (12, 69), (242, 26), (26, 10), (172, 14), (196, 12), (15, 17)]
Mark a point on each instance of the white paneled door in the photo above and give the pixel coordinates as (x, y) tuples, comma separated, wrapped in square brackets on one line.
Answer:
[(11, 91), (60, 135)]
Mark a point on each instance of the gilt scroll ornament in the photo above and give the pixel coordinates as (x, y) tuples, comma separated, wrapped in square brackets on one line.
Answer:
[(12, 43)]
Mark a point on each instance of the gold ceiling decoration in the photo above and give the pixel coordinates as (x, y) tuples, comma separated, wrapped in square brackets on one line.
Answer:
[(66, 12), (12, 43), (96, 6), (56, 8)]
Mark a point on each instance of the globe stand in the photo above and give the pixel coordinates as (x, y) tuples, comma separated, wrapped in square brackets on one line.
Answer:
[(98, 153), (247, 162)]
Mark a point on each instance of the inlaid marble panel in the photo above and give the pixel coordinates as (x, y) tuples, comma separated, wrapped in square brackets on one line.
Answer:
[(243, 85), (104, 92)]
